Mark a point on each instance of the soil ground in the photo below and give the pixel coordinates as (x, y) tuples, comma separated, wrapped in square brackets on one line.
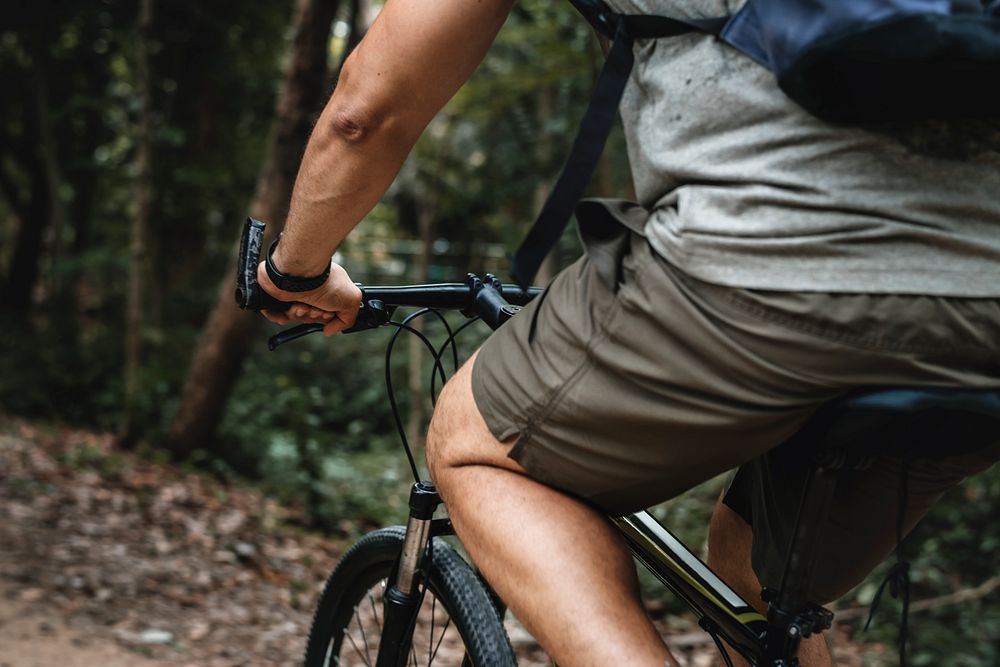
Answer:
[(109, 560)]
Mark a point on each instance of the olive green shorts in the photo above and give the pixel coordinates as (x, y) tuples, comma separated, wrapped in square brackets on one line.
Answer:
[(628, 382)]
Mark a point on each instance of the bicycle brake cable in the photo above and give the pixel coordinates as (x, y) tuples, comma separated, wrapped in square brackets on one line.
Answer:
[(454, 349), (450, 340), (722, 649), (401, 326)]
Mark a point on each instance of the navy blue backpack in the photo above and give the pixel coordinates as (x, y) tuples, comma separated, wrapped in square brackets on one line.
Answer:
[(857, 60), (852, 61)]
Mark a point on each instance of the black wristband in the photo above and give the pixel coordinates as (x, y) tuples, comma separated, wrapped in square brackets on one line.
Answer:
[(288, 283)]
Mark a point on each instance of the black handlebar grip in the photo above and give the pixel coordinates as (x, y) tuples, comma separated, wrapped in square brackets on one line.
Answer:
[(249, 295)]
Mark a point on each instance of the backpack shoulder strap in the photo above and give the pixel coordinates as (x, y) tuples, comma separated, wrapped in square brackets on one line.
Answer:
[(597, 122)]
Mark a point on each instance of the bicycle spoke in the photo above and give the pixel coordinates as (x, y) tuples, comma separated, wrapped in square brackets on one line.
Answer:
[(444, 630), (430, 643), (364, 637), (378, 623), (358, 650)]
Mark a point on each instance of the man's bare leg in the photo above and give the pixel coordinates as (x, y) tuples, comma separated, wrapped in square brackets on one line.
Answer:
[(729, 543), (559, 565)]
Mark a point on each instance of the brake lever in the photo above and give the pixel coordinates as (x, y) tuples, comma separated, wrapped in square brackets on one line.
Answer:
[(288, 335), (372, 314)]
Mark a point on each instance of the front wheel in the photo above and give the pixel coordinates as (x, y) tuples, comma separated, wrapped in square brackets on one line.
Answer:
[(457, 623)]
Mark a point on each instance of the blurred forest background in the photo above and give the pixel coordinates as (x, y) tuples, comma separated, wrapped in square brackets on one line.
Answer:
[(135, 136)]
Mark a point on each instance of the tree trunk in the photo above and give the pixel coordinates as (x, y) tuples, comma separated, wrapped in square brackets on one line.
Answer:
[(418, 379), (139, 228), (32, 211), (229, 332), (22, 276), (359, 19), (53, 179)]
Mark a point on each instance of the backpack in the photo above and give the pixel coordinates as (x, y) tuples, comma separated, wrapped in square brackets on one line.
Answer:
[(845, 61)]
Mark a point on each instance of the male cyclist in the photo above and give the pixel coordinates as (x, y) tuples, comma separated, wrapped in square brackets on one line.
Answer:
[(775, 263)]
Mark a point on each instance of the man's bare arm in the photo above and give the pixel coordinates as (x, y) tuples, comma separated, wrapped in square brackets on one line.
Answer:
[(413, 59)]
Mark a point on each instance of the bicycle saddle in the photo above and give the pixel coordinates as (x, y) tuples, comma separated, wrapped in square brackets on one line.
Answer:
[(901, 422)]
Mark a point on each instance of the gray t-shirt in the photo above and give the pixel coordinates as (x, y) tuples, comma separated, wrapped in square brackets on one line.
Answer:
[(747, 189)]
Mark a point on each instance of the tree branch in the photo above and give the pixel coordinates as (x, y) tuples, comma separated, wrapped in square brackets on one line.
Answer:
[(958, 597)]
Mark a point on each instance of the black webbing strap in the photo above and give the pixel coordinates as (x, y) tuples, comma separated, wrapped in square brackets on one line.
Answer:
[(898, 577), (595, 126)]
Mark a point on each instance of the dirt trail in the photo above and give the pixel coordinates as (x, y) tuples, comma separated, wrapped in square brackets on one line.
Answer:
[(107, 561), (30, 636), (104, 555)]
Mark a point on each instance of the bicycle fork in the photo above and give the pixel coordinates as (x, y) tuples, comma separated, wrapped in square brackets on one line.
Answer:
[(404, 597)]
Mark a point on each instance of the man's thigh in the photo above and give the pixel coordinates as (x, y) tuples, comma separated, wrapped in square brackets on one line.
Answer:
[(627, 391), (458, 435)]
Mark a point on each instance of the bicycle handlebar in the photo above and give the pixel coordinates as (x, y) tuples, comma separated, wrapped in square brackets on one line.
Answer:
[(486, 298)]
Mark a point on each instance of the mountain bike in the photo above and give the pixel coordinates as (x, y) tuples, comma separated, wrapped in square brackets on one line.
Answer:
[(404, 596)]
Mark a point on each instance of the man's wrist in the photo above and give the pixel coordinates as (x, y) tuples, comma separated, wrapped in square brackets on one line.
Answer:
[(290, 276)]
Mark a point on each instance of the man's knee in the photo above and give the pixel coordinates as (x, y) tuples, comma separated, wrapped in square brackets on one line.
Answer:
[(458, 435), (445, 427)]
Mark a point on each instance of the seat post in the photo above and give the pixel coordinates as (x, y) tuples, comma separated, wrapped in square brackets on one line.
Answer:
[(903, 423), (791, 615)]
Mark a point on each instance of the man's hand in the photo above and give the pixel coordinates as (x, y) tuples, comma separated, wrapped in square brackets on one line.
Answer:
[(334, 304)]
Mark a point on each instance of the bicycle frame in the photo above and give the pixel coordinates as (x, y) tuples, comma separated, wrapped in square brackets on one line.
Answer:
[(722, 612), (720, 609), (771, 641)]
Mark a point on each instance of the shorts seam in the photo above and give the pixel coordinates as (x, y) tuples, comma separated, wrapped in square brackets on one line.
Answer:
[(486, 406), (541, 410), (832, 334)]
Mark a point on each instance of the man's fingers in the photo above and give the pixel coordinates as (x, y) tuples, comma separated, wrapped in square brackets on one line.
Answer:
[(275, 316), (334, 322), (336, 325), (308, 313), (299, 313)]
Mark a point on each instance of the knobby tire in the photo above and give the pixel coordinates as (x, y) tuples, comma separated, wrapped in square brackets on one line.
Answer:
[(352, 599)]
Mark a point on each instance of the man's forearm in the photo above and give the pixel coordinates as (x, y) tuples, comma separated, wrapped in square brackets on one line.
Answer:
[(407, 67), (344, 172)]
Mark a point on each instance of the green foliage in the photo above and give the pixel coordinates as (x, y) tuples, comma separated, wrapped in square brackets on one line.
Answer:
[(93, 458), (44, 378), (509, 129), (313, 422), (214, 67), (953, 549)]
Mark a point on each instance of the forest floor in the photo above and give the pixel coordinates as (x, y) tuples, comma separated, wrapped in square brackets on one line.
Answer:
[(108, 560)]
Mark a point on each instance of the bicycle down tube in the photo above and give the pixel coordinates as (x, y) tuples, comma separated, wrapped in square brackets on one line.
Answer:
[(720, 609)]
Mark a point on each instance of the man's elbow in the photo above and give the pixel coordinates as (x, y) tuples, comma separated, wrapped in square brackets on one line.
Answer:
[(352, 123)]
